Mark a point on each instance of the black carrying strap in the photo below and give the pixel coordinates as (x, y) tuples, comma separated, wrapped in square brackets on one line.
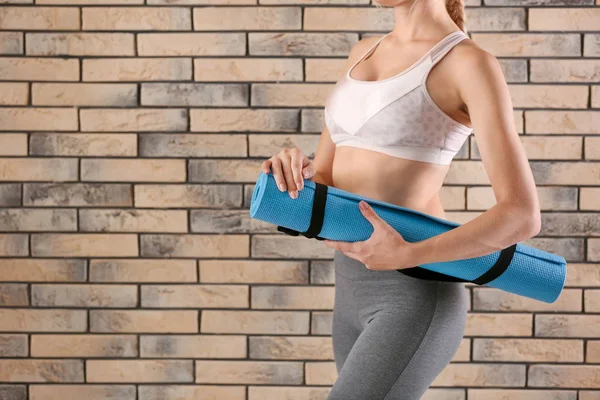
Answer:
[(504, 260), (316, 224), (317, 216)]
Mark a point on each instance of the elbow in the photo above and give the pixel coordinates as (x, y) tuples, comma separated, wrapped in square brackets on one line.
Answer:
[(531, 223)]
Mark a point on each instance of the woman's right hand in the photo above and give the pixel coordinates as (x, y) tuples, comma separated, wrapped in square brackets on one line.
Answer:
[(289, 166)]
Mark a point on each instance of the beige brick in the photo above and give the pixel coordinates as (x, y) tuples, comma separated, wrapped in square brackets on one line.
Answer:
[(302, 43), (566, 173), (139, 370), (489, 299), (142, 321), (209, 246), (321, 323), (243, 120), (137, 69), (589, 395), (495, 19), (138, 271), (13, 294), (194, 94), (533, 350), (593, 250), (591, 45), (549, 96), (553, 70), (133, 221), (36, 270), (36, 220), (13, 144), (453, 197), (193, 145), (84, 94), (592, 300), (133, 120), (249, 372), (77, 195), (322, 272), (90, 2), (247, 69), (595, 90), (264, 145), (570, 376), (37, 320), (43, 69), (290, 348), (14, 245), (41, 370), (84, 245), (252, 271), (524, 394), (566, 19), (243, 170), (11, 43), (529, 44), (289, 392), (583, 275), (78, 345), (282, 246), (10, 194), (88, 392), (192, 44), (78, 295), (333, 18), (290, 94), (589, 198), (321, 373), (592, 148), (14, 94), (42, 119), (192, 392), (39, 18), (593, 351), (496, 324), (196, 346), (505, 375), (562, 122), (37, 169), (294, 297), (324, 69), (195, 296), (136, 18), (80, 44), (255, 322), (579, 326), (550, 198), (95, 144), (247, 18), (133, 170), (13, 346), (194, 196)]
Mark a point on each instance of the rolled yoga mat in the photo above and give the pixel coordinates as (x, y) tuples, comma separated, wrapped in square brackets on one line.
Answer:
[(325, 212)]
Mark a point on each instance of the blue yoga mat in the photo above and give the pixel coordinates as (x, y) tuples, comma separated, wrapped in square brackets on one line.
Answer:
[(530, 272)]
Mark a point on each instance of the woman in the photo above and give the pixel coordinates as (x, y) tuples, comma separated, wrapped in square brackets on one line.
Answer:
[(404, 106)]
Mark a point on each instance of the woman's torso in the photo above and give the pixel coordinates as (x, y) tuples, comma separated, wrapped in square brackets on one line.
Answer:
[(393, 140)]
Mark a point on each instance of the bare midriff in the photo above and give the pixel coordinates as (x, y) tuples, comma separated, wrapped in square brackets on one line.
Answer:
[(406, 183)]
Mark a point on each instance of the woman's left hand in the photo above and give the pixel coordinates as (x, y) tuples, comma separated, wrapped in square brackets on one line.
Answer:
[(385, 249)]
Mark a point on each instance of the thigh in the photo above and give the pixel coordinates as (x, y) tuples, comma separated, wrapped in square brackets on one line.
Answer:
[(344, 330)]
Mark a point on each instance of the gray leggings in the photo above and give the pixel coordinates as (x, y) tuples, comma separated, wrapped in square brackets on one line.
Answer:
[(392, 334)]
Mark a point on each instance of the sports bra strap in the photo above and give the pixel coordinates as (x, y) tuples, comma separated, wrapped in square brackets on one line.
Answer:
[(444, 47)]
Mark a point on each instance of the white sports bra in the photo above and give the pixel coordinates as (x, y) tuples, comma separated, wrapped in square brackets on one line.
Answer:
[(396, 116)]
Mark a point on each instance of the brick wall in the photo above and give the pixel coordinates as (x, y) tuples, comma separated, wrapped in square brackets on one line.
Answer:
[(131, 136)]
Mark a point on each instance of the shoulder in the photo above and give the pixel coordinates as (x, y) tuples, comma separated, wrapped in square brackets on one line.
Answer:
[(469, 57)]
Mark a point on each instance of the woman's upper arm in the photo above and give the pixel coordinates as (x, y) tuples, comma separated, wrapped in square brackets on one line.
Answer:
[(323, 160), (489, 103)]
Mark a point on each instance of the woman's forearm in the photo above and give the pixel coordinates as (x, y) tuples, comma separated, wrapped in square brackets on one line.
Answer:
[(497, 228)]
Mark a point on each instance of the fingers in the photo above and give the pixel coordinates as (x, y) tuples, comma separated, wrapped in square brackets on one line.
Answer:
[(296, 161), (285, 158), (278, 173), (369, 213)]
